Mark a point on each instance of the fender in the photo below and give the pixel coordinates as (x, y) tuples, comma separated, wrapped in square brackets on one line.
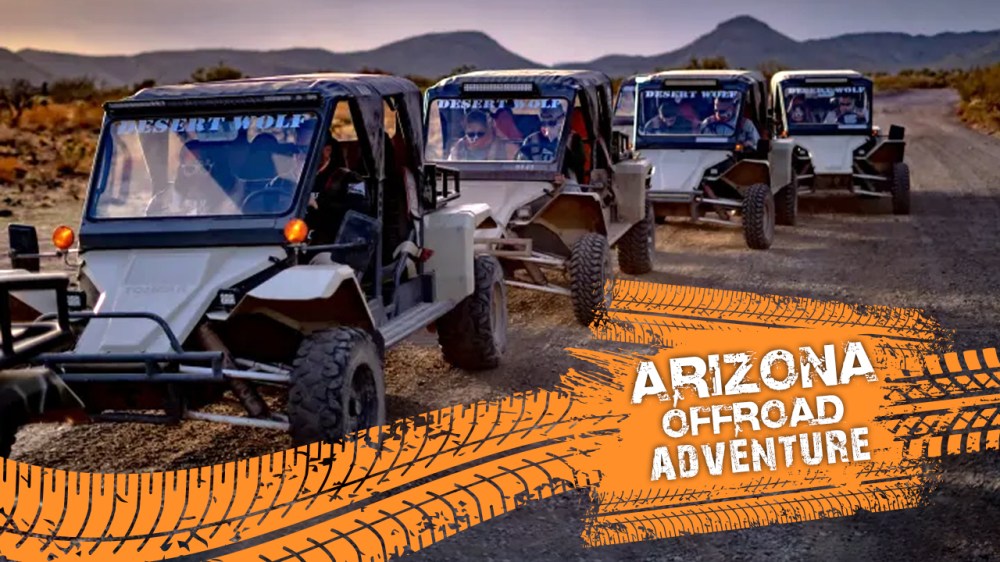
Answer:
[(780, 159), (571, 215), (308, 298), (746, 173)]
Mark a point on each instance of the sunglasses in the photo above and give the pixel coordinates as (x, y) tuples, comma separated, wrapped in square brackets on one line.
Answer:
[(846, 103), (550, 122), (475, 134)]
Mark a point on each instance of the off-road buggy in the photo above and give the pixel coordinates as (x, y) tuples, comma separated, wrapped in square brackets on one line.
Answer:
[(706, 134), (207, 262), (828, 115), (536, 147)]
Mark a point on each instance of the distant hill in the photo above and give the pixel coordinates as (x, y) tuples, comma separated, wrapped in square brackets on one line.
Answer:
[(431, 55), (744, 42), (747, 42)]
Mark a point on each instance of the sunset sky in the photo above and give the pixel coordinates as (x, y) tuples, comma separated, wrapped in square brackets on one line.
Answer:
[(546, 31)]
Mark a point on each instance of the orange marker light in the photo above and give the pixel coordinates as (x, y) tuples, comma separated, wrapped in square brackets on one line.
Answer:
[(63, 237), (739, 148), (296, 231)]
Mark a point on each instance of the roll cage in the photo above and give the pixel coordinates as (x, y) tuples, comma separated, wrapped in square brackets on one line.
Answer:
[(367, 96), (815, 79), (588, 93), (753, 94)]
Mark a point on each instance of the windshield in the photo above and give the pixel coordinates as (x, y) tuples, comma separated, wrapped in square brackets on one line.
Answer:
[(502, 129), (232, 165), (625, 107), (711, 114), (826, 107)]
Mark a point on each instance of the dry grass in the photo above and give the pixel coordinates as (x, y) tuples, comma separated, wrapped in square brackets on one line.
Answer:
[(980, 92)]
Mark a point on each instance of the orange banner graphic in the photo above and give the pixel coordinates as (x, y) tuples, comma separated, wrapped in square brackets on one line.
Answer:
[(743, 410)]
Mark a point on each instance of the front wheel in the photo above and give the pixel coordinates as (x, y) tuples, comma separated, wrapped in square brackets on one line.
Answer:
[(473, 335), (635, 248), (758, 217), (590, 272), (900, 189), (337, 386)]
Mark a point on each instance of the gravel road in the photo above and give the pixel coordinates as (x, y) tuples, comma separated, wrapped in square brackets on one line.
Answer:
[(943, 258)]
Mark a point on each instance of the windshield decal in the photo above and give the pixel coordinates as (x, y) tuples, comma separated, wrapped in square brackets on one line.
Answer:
[(211, 124)]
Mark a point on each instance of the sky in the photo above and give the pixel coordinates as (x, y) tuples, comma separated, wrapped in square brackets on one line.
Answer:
[(545, 31)]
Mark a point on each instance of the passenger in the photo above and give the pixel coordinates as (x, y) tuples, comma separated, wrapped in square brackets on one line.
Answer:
[(336, 190), (193, 192), (846, 112), (725, 121), (480, 141), (798, 113), (543, 145), (668, 121)]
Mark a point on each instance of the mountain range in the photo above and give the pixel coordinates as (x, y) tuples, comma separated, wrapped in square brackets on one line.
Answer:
[(744, 41)]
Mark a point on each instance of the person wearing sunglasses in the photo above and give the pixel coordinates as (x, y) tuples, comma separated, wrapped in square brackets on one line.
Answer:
[(480, 140), (543, 145), (726, 120), (846, 112), (668, 121)]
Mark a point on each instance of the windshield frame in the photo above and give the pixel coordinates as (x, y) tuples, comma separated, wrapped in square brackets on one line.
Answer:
[(625, 120), (502, 169), (685, 142), (189, 231), (819, 129)]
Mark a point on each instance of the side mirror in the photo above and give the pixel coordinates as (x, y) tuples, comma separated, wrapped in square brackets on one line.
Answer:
[(24, 247), (896, 132)]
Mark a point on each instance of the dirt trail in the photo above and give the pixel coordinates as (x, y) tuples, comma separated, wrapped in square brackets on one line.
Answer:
[(943, 258)]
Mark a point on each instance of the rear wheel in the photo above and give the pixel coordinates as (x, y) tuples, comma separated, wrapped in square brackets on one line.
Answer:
[(635, 248), (786, 204), (337, 386), (758, 217), (900, 189), (590, 271), (473, 335)]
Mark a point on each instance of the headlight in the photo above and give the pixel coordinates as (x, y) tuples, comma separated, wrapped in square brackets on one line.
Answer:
[(524, 213)]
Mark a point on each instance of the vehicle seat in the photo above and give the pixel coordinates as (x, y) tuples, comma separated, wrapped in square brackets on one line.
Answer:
[(578, 125), (506, 126)]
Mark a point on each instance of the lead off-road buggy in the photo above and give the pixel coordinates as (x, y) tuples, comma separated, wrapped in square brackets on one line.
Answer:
[(201, 265), (537, 148), (828, 115), (706, 134)]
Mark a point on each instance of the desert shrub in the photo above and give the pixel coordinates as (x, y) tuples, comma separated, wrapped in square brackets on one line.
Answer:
[(72, 89), (216, 73), (17, 97), (979, 90), (707, 63)]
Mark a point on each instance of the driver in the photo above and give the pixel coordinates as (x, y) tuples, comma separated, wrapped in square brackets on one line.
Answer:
[(725, 121), (337, 189), (543, 145), (480, 141), (846, 112), (667, 121)]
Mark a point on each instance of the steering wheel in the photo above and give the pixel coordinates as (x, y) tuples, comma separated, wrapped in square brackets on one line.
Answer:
[(281, 188)]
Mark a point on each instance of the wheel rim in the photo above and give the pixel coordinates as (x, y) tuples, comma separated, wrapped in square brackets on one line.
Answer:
[(498, 316), (362, 400)]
